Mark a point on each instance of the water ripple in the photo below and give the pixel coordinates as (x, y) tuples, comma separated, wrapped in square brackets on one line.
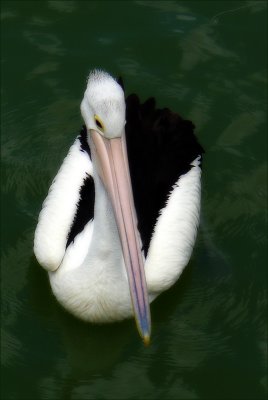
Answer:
[(62, 6), (45, 42)]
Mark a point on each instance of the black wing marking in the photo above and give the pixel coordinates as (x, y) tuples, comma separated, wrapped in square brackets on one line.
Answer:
[(161, 146), (83, 141), (85, 206)]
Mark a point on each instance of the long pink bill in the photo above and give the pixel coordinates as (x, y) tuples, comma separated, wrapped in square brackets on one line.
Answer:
[(114, 171)]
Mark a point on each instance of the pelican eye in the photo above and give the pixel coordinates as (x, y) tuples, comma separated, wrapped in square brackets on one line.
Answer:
[(98, 122)]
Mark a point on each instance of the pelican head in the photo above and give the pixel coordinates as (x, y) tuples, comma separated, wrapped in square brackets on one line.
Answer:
[(103, 109)]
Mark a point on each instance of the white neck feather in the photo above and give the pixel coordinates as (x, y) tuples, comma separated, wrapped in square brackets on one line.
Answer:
[(95, 289)]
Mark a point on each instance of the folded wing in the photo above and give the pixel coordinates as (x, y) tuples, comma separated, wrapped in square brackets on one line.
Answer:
[(68, 206)]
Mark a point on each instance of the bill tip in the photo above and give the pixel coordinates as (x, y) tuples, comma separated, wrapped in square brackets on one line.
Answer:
[(146, 340)]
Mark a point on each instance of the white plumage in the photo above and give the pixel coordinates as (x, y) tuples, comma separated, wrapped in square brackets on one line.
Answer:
[(89, 277)]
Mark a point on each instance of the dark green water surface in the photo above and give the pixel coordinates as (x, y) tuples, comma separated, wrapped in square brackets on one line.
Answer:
[(207, 60)]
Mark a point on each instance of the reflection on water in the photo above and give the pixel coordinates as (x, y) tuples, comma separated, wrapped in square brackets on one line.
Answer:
[(40, 22), (252, 6), (202, 60), (44, 69), (243, 125), (48, 43), (199, 46), (166, 6), (62, 6), (200, 112)]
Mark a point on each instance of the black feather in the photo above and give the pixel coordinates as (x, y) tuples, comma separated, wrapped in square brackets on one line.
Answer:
[(161, 146), (83, 140)]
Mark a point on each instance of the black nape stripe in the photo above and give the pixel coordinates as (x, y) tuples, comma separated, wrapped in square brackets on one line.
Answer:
[(121, 82), (161, 146), (83, 140), (85, 209)]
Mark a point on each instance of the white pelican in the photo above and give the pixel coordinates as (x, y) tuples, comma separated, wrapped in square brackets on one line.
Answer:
[(111, 240)]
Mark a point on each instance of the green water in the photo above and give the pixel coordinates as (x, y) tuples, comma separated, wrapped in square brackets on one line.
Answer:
[(207, 60)]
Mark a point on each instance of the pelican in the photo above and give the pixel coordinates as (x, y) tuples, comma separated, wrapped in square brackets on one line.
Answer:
[(120, 219)]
